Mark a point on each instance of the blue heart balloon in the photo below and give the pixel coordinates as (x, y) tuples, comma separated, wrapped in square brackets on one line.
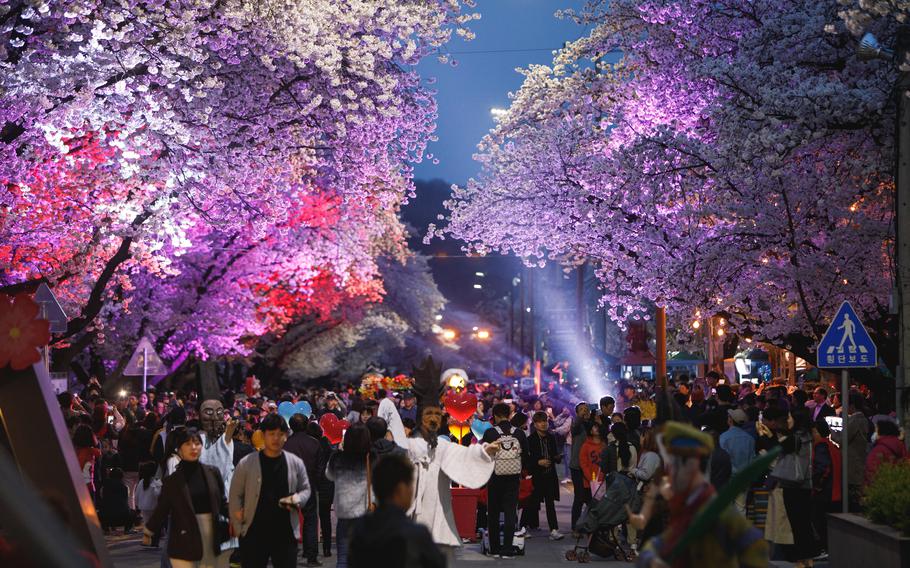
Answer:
[(287, 409), (478, 427)]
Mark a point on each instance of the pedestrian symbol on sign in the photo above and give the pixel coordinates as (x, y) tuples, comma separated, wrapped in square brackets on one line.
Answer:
[(848, 326), (846, 343)]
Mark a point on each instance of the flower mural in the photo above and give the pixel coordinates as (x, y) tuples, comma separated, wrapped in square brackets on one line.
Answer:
[(21, 333)]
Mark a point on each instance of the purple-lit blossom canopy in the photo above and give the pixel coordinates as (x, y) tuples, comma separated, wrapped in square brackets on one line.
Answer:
[(714, 157)]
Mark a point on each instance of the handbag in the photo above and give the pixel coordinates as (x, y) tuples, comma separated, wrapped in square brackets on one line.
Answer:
[(525, 491), (790, 469), (369, 493)]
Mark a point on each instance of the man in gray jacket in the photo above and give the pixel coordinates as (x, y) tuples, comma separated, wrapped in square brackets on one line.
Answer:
[(267, 489)]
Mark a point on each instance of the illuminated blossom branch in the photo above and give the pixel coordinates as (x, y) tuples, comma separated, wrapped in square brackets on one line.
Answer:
[(163, 165), (728, 157)]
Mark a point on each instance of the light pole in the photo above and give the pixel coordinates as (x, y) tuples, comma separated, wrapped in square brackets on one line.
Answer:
[(869, 49), (521, 306), (515, 282)]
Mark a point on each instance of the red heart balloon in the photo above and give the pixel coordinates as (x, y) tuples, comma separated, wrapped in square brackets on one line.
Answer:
[(460, 406), (333, 428)]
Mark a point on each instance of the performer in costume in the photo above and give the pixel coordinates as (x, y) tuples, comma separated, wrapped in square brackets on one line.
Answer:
[(733, 543), (218, 447), (437, 461), (217, 438)]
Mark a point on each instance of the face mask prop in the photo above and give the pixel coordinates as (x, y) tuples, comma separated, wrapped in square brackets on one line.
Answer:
[(211, 414)]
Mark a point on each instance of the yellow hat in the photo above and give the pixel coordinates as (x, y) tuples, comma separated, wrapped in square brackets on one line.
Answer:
[(683, 440)]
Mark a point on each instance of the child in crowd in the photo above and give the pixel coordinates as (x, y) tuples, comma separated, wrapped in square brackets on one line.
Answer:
[(115, 503)]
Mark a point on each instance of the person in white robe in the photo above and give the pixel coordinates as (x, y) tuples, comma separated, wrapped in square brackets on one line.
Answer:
[(218, 447), (438, 463)]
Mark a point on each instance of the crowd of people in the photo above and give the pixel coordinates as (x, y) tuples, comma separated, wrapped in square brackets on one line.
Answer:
[(231, 478)]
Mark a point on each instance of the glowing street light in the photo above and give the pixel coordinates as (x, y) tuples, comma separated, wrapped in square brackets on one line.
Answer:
[(696, 324), (483, 335), (449, 334)]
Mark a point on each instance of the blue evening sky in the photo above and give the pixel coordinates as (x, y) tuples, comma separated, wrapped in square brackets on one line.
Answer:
[(510, 34)]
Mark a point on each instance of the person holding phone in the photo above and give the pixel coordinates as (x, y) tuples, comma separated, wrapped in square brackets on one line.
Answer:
[(267, 489), (544, 455)]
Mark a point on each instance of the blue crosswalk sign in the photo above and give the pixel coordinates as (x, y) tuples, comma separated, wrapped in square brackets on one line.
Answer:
[(847, 344)]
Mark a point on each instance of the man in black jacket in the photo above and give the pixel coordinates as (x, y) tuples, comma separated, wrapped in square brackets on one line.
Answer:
[(502, 489), (307, 448), (821, 409), (387, 537), (543, 457)]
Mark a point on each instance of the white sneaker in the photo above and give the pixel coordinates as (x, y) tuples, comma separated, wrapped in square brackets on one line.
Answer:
[(521, 532), (566, 481), (556, 535)]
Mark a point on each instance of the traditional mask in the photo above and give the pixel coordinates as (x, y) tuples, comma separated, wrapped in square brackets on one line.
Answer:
[(211, 414), (430, 422)]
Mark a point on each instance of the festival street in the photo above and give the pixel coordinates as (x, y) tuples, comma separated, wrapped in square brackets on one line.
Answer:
[(454, 283)]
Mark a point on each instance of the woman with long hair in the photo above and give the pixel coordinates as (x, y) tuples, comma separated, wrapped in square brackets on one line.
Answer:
[(147, 492), (619, 455), (797, 441), (87, 453), (651, 519), (192, 498), (348, 468)]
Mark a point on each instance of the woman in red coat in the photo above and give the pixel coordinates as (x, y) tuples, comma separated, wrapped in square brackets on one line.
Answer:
[(888, 448)]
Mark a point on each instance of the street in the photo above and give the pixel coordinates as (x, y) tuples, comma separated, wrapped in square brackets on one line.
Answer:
[(657, 241), (540, 551)]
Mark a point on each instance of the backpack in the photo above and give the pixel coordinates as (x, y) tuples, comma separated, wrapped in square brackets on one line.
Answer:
[(507, 460)]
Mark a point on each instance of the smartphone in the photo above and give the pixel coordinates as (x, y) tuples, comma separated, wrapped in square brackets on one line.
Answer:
[(110, 419)]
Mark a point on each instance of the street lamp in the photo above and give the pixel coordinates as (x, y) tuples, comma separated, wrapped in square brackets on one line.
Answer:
[(483, 335), (449, 334)]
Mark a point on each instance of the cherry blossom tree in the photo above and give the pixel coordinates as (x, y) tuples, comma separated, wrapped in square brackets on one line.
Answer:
[(713, 157), (384, 334), (209, 172)]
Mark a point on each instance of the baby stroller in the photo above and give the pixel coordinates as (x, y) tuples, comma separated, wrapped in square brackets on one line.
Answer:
[(598, 528)]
